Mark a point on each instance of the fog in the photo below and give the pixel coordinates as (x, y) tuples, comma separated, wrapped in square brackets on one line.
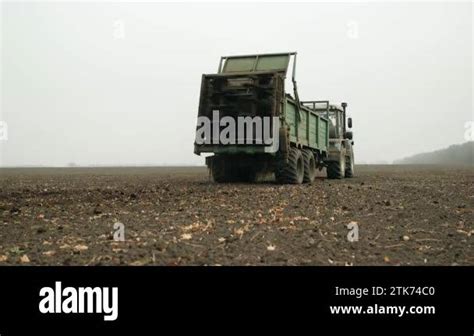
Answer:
[(118, 83)]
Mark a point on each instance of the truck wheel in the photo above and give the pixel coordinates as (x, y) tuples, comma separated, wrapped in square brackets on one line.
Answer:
[(309, 166), (337, 169), (220, 171), (349, 167), (219, 174), (246, 175), (292, 171)]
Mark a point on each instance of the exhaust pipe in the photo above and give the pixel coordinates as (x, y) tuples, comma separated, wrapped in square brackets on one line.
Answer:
[(344, 105)]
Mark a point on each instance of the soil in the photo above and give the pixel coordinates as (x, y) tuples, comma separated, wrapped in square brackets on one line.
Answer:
[(405, 215)]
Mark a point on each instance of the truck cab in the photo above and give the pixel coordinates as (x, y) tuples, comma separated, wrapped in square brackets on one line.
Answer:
[(340, 160)]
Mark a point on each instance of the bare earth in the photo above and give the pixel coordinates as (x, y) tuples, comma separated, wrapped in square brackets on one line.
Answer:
[(407, 215)]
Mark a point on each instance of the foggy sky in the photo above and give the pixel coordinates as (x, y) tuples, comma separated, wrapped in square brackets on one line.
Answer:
[(118, 83)]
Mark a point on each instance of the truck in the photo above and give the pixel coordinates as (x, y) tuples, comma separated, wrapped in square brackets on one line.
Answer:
[(254, 128)]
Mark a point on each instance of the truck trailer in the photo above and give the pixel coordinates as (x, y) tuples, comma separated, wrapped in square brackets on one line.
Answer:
[(253, 127)]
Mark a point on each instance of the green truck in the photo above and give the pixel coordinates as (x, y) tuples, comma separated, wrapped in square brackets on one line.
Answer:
[(255, 128)]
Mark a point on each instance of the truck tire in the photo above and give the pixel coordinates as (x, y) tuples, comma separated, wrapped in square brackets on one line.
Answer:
[(221, 170), (337, 169), (291, 171), (247, 175), (226, 171), (349, 167), (309, 166), (219, 174)]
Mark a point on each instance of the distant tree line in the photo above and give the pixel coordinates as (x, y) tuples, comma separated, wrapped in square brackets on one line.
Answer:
[(462, 154)]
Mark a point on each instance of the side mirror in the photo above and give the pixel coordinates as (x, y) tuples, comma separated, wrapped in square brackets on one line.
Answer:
[(349, 135), (349, 122)]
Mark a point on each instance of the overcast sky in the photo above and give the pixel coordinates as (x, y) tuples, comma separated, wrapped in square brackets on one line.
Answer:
[(118, 83)]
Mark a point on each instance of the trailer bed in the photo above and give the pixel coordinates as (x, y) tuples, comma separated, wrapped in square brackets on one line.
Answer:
[(311, 130)]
